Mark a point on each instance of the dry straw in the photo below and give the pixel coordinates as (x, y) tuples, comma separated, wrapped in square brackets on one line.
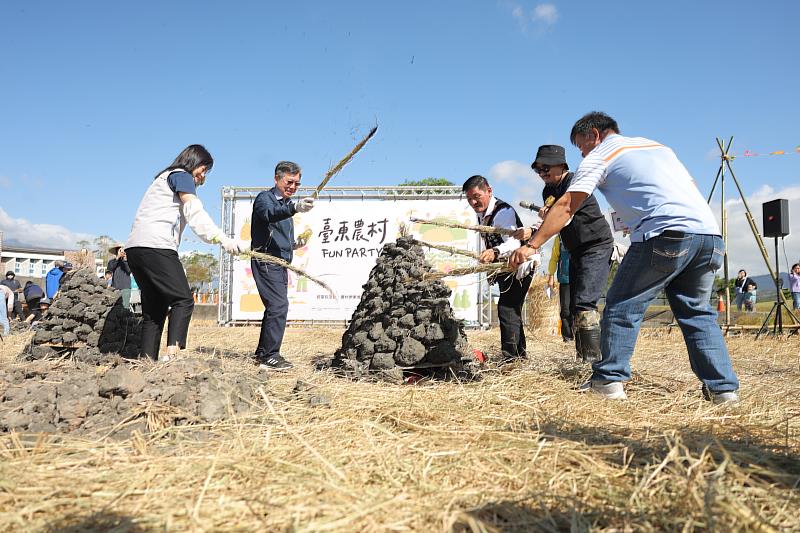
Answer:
[(266, 258), (518, 450), (340, 165), (473, 227), (449, 249), (482, 268)]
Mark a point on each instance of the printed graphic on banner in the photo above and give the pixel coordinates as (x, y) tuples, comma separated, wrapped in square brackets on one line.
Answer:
[(346, 237)]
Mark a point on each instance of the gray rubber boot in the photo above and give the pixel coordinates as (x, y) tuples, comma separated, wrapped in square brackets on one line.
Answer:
[(587, 336)]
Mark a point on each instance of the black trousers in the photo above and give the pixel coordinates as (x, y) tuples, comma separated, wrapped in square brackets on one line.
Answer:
[(565, 313), (509, 312), (165, 290), (272, 282), (588, 276), (17, 311), (33, 308)]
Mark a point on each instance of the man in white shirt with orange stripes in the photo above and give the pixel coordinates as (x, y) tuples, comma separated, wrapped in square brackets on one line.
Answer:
[(675, 246)]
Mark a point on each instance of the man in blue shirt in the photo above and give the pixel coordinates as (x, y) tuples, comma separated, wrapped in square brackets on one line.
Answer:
[(675, 246), (53, 278), (272, 233)]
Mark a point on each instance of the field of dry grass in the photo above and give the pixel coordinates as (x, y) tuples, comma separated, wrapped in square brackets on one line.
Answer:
[(517, 450)]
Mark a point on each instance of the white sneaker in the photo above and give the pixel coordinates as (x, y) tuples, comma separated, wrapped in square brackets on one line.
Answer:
[(719, 398), (610, 390)]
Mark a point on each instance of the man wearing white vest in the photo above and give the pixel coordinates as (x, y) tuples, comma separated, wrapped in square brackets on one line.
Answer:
[(675, 247), (169, 204)]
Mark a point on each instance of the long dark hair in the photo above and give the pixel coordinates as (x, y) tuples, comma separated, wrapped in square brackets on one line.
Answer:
[(190, 158)]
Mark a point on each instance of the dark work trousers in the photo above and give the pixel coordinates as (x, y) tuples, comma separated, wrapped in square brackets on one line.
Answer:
[(272, 282), (17, 311), (509, 312), (164, 290), (588, 276), (33, 308), (566, 315)]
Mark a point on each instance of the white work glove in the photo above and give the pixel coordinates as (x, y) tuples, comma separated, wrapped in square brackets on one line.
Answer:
[(304, 205), (528, 266), (232, 246)]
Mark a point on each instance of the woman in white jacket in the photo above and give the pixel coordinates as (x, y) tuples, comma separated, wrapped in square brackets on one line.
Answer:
[(169, 204)]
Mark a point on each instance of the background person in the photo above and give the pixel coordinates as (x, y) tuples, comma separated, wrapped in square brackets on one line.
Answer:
[(794, 285), (53, 278), (6, 305), (675, 246), (33, 295), (273, 233), (11, 282), (588, 239), (558, 269), (120, 273), (168, 205), (740, 288), (492, 211), (750, 296)]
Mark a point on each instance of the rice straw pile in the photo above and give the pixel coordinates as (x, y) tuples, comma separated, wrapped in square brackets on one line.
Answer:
[(518, 450)]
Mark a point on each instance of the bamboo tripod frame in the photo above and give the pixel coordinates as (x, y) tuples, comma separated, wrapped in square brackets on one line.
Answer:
[(725, 162)]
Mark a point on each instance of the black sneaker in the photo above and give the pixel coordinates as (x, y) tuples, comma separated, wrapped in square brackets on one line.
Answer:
[(274, 362)]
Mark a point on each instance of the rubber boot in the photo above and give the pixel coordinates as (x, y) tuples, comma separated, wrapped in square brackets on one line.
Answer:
[(587, 336)]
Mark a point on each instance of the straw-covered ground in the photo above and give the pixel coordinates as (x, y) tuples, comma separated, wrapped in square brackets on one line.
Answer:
[(515, 450)]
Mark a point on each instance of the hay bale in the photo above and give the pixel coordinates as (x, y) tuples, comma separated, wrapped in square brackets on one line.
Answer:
[(542, 312)]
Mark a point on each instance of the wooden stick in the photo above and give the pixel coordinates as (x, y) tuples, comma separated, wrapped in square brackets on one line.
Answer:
[(266, 258), (473, 227), (346, 159), (449, 249), (489, 268)]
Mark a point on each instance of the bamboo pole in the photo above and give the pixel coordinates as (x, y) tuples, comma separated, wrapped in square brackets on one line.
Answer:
[(266, 258), (340, 165), (473, 227), (449, 249)]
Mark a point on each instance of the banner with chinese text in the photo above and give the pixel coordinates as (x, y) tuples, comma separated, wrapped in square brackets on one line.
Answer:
[(346, 239)]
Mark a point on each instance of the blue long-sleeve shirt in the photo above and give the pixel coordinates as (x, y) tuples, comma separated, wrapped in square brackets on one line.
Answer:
[(272, 229), (53, 281)]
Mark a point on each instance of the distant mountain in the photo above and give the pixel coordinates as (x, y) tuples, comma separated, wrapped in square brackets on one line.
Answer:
[(766, 286)]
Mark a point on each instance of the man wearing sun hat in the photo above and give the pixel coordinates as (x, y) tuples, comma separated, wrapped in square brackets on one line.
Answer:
[(588, 239), (118, 266)]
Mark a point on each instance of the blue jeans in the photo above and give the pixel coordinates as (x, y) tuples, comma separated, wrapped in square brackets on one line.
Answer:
[(683, 265), (4, 314), (796, 300)]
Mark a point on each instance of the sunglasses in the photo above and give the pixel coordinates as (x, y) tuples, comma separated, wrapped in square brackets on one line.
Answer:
[(544, 169)]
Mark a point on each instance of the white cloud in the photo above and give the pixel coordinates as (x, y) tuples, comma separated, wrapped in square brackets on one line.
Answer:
[(40, 235), (545, 13), (743, 252)]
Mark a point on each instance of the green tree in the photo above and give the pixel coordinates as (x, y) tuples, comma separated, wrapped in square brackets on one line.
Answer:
[(428, 182), (200, 268), (83, 243), (101, 245)]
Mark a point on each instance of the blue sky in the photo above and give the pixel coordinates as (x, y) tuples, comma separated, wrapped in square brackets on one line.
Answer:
[(96, 97)]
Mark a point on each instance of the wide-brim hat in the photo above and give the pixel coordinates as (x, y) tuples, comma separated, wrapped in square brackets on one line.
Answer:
[(114, 249), (550, 155)]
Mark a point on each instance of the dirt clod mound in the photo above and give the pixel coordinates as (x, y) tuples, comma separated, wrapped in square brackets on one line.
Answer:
[(402, 322), (87, 320), (81, 398)]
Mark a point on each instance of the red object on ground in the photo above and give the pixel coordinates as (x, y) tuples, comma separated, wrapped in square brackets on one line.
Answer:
[(479, 355)]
